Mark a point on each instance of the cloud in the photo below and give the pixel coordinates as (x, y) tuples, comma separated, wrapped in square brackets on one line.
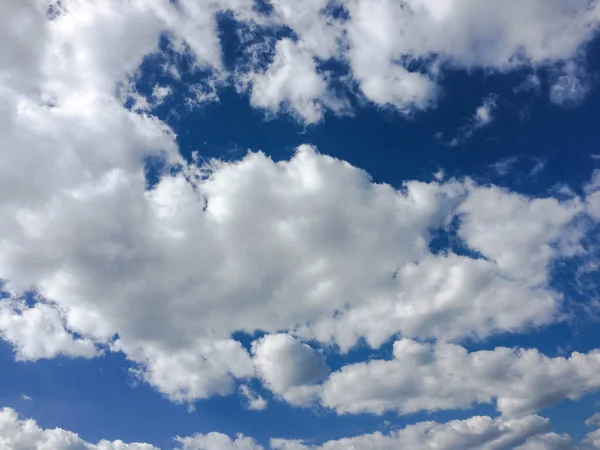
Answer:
[(505, 165), (549, 441), (26, 397), (309, 247), (343, 259), (387, 38), (593, 195), (512, 165), (39, 332), (289, 368), (24, 434), (479, 432), (202, 370), (159, 93), (317, 30), (445, 376), (490, 213), (531, 84), (217, 441), (88, 46), (483, 116), (254, 402), (593, 420), (570, 86), (592, 439), (290, 81)]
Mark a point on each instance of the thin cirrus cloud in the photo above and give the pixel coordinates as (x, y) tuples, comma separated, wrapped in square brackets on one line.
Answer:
[(309, 251)]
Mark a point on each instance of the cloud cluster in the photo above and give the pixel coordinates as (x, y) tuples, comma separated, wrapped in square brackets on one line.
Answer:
[(289, 368), (308, 245), (24, 434), (446, 376), (396, 50), (392, 53), (479, 432), (308, 248)]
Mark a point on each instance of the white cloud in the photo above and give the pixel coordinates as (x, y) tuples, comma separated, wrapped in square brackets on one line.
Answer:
[(27, 398), (290, 82), (504, 165), (317, 31), (479, 432), (24, 434), (445, 376), (570, 86), (483, 116), (217, 441), (204, 369), (530, 230), (159, 93), (309, 246), (254, 402), (593, 204), (446, 297), (396, 50), (548, 441), (386, 37), (289, 368), (39, 332), (325, 268), (592, 190), (593, 420), (592, 439)]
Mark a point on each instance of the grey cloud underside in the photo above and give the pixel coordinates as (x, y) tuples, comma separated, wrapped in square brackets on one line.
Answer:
[(305, 249)]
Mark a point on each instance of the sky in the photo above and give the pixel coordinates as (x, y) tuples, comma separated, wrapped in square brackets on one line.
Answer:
[(285, 225)]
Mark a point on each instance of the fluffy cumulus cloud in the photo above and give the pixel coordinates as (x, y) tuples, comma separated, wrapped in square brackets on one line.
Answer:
[(17, 433), (217, 441), (479, 432), (290, 81), (39, 332), (428, 377), (386, 40), (395, 50), (308, 249), (309, 245), (289, 368)]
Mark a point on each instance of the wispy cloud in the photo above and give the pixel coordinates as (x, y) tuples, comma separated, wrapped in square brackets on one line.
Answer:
[(532, 166), (483, 116)]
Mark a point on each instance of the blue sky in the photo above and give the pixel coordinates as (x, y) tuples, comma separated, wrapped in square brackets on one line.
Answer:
[(272, 224)]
